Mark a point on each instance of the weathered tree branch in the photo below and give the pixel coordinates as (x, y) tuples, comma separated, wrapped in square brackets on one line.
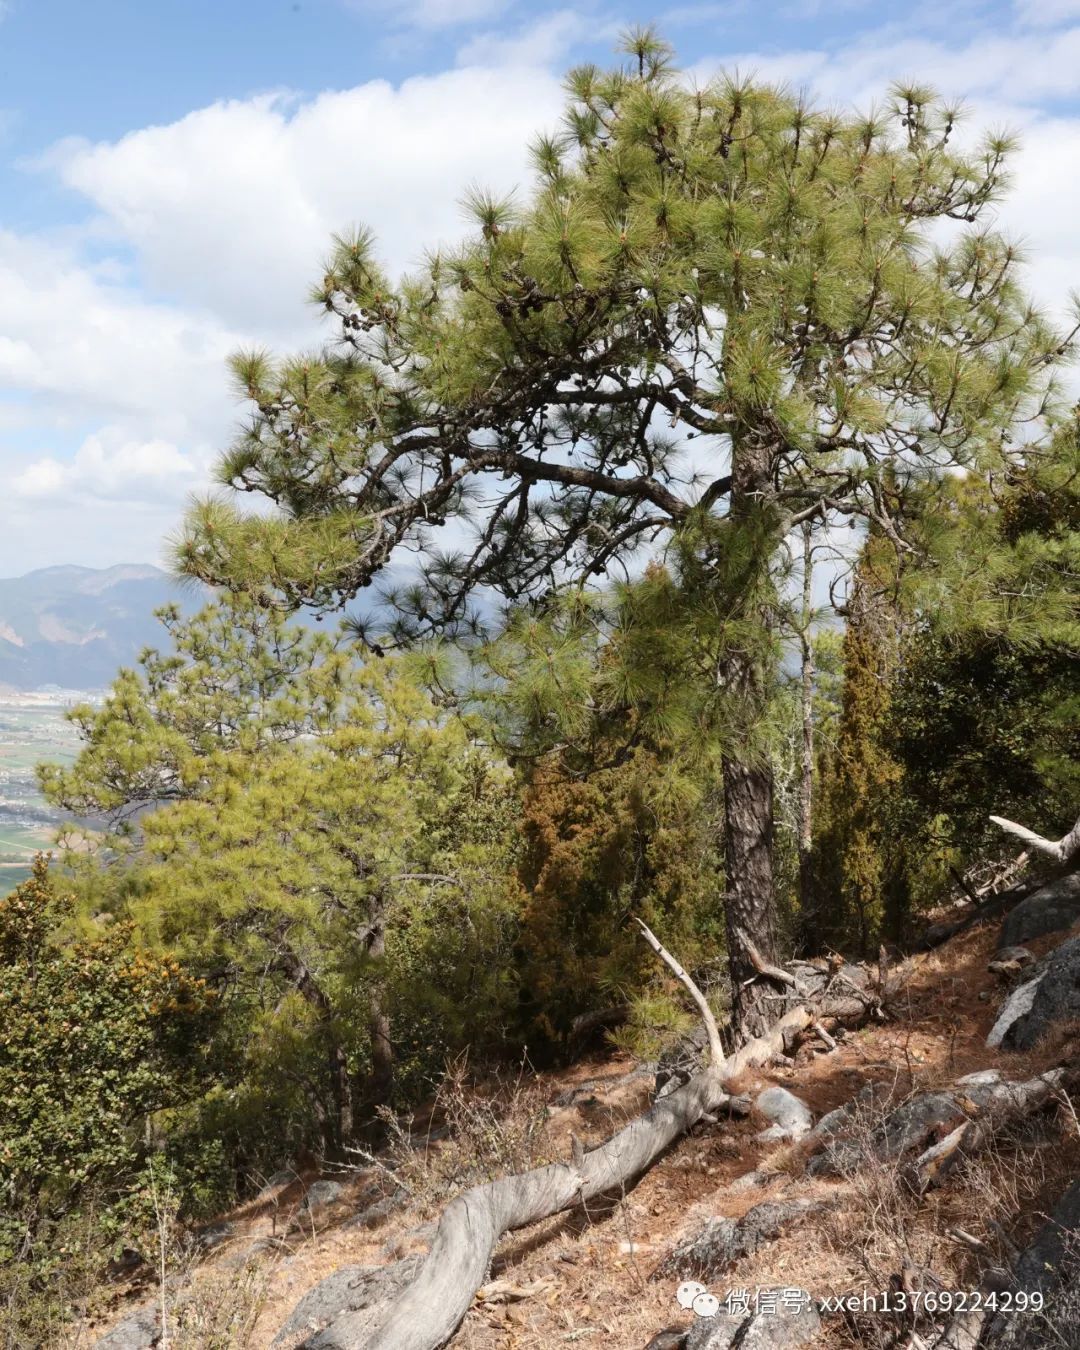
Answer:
[(1060, 849), (716, 1048), (425, 1314)]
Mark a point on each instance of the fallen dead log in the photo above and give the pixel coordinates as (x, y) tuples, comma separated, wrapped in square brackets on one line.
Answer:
[(810, 993), (425, 1314), (932, 1131), (993, 1106)]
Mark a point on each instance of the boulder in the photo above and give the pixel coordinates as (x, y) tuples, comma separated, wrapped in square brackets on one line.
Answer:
[(910, 1126), (1009, 960), (1050, 1265), (1015, 1007), (277, 1182), (671, 1338), (140, 1330), (782, 1328), (376, 1213), (789, 1115), (350, 1290), (323, 1203), (712, 1249), (210, 1238), (1049, 909), (1051, 998)]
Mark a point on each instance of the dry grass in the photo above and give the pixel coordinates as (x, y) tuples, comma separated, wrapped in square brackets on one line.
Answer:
[(220, 1310), (585, 1279), (485, 1131)]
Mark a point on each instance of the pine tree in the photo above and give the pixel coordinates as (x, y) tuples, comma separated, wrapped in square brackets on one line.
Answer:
[(856, 860), (303, 827), (984, 709), (726, 270)]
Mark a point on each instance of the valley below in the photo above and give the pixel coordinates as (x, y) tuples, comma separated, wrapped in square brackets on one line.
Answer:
[(33, 729)]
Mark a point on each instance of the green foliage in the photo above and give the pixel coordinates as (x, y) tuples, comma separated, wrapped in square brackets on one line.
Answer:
[(95, 1034), (959, 698), (602, 845), (727, 264), (98, 1037), (308, 845), (724, 264), (985, 707), (858, 776)]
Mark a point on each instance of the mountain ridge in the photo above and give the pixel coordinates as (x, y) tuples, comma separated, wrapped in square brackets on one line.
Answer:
[(75, 626)]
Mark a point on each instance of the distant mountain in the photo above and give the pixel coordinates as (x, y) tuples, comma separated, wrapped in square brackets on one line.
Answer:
[(75, 626)]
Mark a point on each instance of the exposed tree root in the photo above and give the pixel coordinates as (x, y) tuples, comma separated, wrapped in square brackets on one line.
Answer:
[(425, 1314)]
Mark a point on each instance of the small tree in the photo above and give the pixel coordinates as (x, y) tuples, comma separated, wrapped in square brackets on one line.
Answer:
[(300, 825), (96, 1035), (720, 313)]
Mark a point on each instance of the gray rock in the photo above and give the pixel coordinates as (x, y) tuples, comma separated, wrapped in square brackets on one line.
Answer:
[(907, 1128), (1054, 1253), (713, 1333), (1048, 910), (320, 1194), (371, 1216), (751, 1181), (868, 1102), (712, 1249), (140, 1330), (1054, 999), (780, 1330), (276, 1182), (350, 1291), (789, 1114), (912, 1123), (774, 1330), (1051, 1265), (210, 1238), (1016, 1006), (671, 1338)]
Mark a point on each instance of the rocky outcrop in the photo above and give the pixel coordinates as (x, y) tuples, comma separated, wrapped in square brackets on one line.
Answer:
[(350, 1291), (1050, 909), (721, 1242), (1050, 998), (781, 1328), (140, 1330), (789, 1116)]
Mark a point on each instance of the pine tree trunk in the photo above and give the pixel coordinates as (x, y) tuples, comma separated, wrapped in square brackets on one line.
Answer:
[(748, 779), (381, 1083), (337, 1127), (806, 779), (748, 818)]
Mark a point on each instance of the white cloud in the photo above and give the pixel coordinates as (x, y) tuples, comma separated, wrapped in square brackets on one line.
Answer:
[(223, 217), (1003, 80), (108, 467), (81, 346), (206, 233), (537, 44), (1046, 13), (1020, 69), (231, 208)]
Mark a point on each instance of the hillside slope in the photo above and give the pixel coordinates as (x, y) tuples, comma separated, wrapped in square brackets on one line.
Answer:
[(74, 626), (280, 1266)]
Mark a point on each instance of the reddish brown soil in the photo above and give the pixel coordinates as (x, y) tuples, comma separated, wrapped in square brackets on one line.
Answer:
[(575, 1280)]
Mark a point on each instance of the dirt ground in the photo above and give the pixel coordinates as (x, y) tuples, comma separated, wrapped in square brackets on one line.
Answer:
[(588, 1278)]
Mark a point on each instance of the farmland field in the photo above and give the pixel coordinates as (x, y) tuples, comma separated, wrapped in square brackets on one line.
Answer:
[(32, 729)]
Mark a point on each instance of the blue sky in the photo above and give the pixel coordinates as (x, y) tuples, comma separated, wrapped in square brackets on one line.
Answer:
[(169, 173)]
